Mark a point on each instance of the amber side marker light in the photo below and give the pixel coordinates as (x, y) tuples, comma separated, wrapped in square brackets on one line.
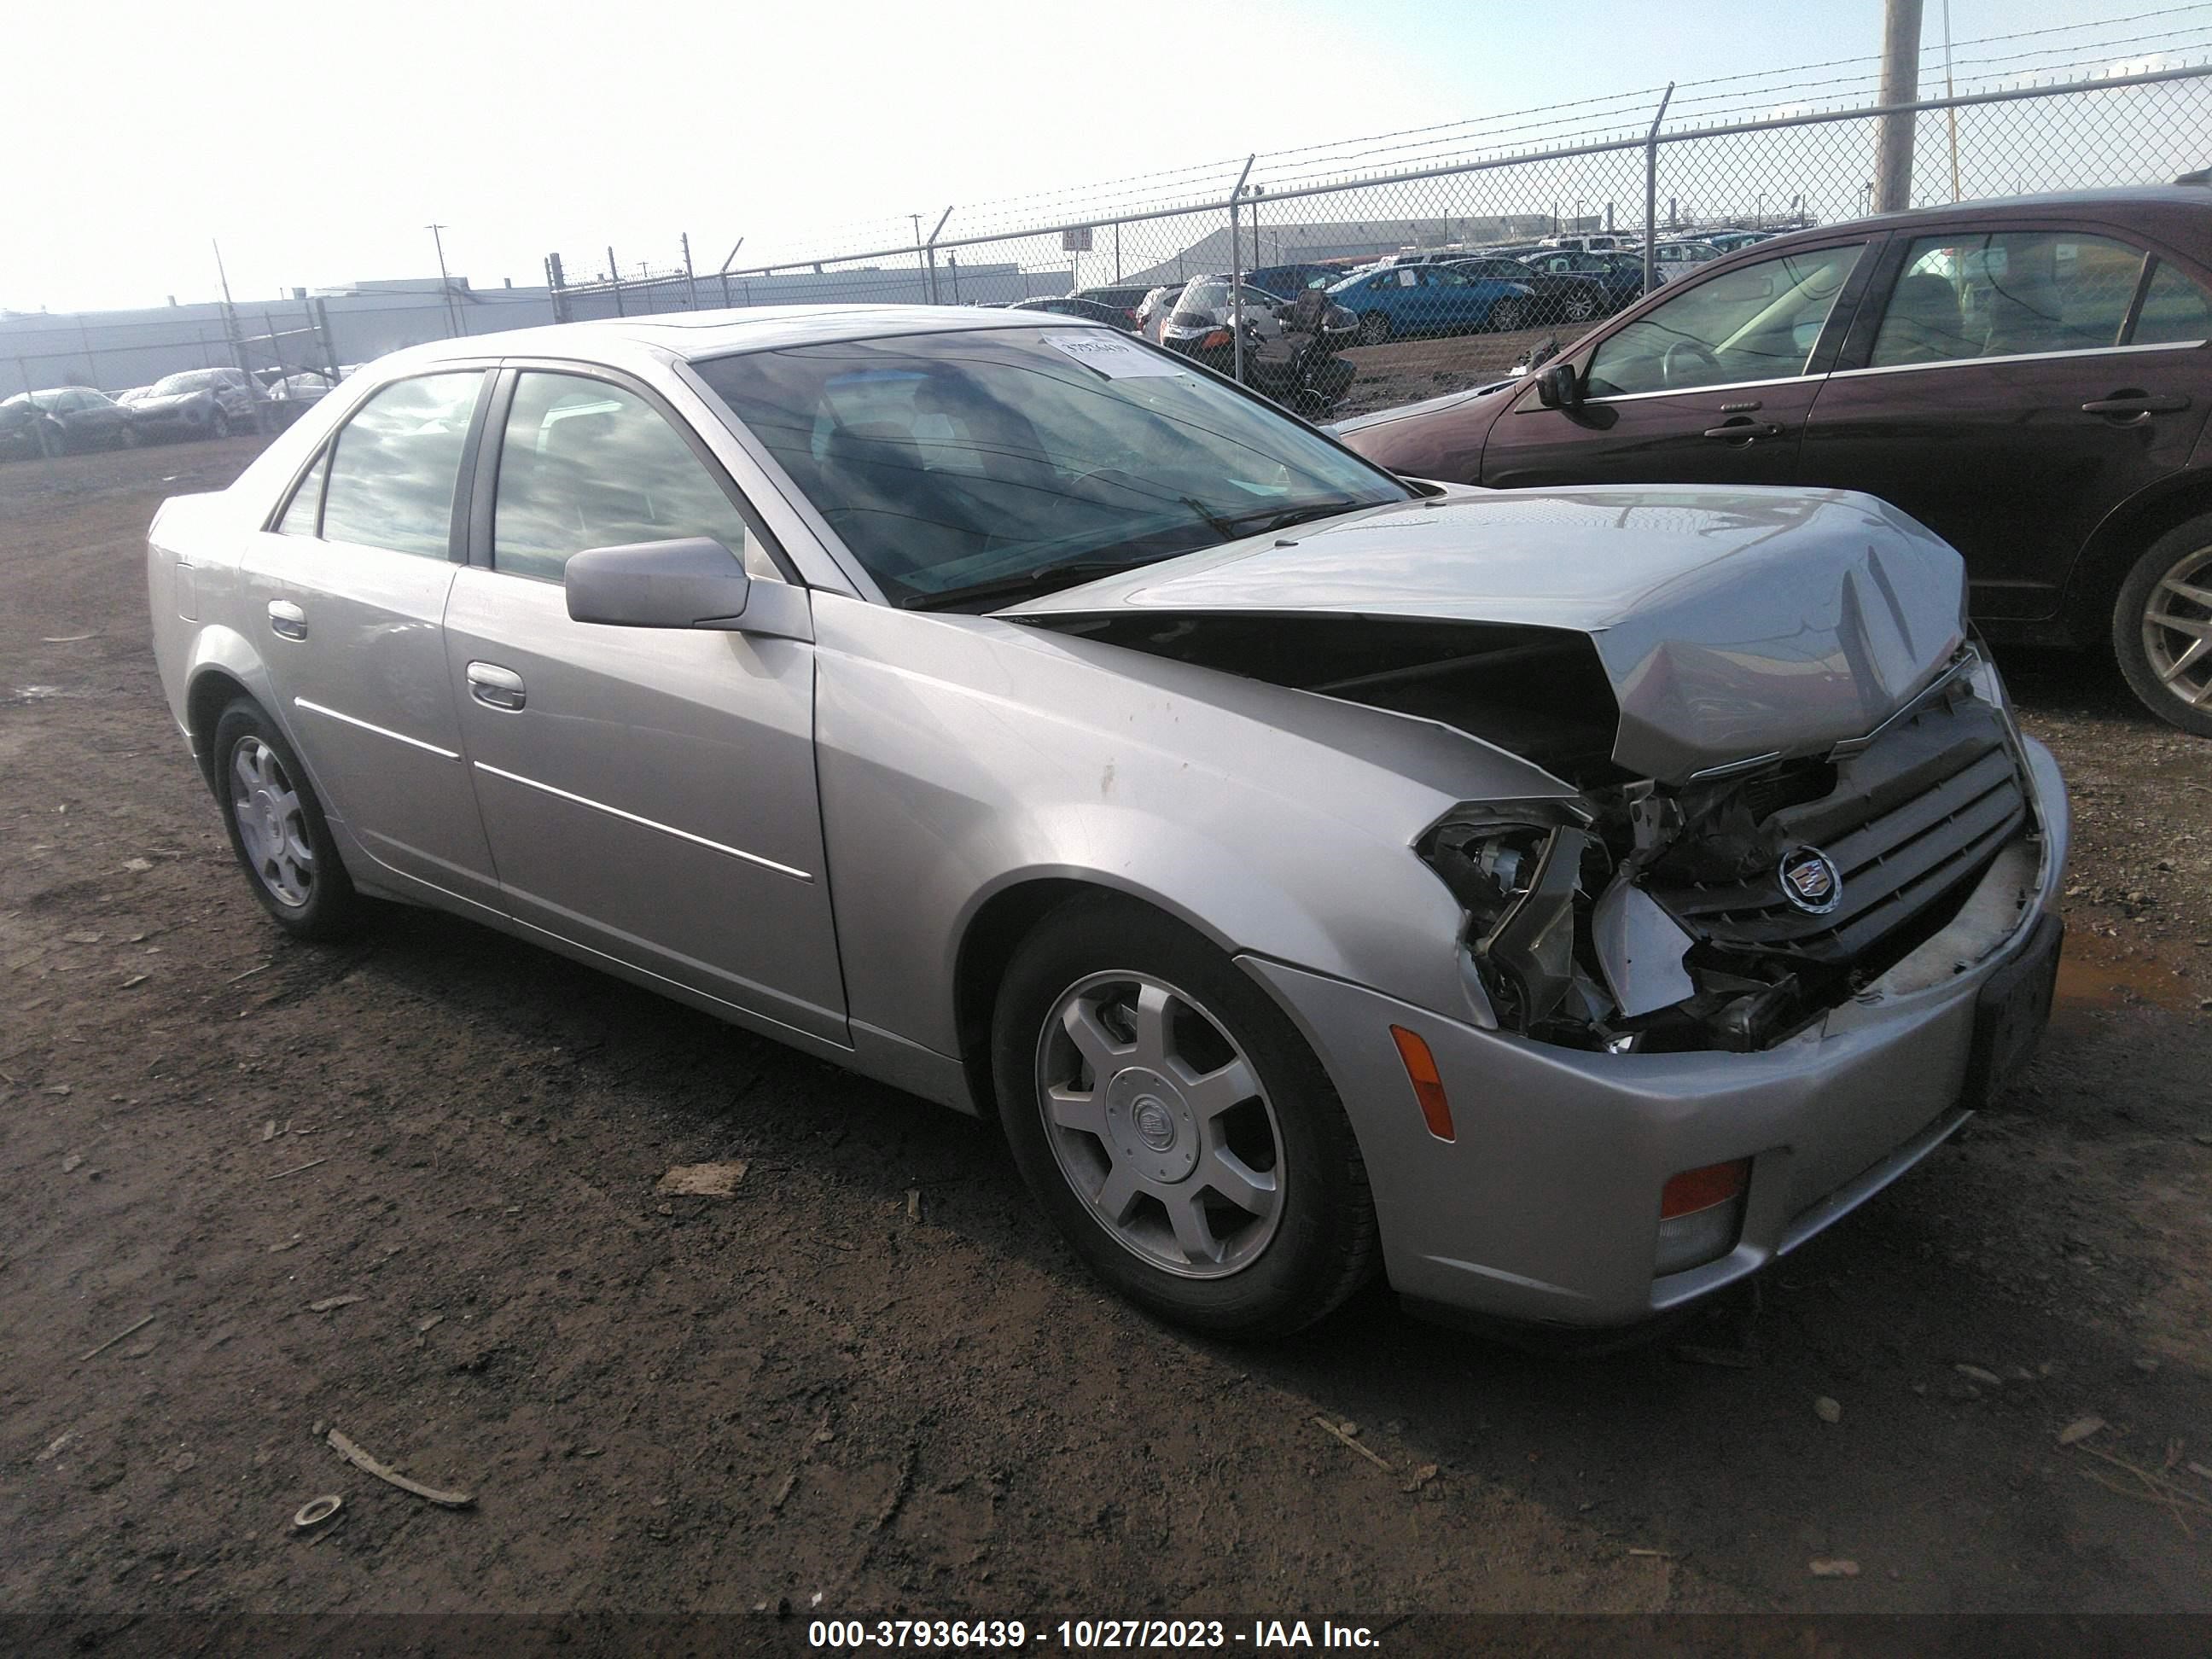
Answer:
[(1428, 1087), (1700, 1189)]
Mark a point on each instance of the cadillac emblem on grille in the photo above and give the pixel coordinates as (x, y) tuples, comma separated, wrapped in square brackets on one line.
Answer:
[(1810, 880)]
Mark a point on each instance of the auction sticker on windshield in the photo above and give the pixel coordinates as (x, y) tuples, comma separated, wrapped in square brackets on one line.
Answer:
[(1116, 359)]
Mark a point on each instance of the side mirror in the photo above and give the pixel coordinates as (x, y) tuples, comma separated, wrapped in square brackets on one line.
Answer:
[(695, 582), (1557, 387)]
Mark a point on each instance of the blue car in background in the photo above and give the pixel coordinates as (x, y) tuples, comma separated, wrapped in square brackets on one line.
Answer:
[(1398, 301)]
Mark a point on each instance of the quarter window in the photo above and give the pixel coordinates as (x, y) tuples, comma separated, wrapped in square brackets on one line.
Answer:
[(300, 518), (1759, 322), (585, 463), (2174, 310), (393, 474), (2007, 294)]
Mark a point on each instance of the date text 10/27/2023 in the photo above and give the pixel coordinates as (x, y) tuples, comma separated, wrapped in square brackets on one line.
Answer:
[(1086, 1635)]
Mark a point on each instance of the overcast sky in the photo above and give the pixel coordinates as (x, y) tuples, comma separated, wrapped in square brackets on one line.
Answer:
[(316, 140)]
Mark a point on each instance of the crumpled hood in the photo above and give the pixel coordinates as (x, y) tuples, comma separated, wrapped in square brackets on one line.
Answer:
[(1731, 623)]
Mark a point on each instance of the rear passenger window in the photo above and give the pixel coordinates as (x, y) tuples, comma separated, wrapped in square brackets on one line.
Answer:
[(585, 464), (2008, 294), (2174, 310), (393, 474), (300, 517)]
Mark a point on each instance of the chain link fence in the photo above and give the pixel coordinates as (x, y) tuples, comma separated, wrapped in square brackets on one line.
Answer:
[(1451, 253)]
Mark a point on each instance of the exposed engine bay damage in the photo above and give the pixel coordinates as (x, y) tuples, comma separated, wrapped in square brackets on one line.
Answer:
[(1726, 911), (1539, 693)]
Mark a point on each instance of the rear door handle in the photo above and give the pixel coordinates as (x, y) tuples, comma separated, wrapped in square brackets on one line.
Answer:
[(287, 619), (495, 687), (2137, 404), (1743, 431)]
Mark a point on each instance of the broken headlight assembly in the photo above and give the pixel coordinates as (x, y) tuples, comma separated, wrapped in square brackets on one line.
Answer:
[(1526, 874)]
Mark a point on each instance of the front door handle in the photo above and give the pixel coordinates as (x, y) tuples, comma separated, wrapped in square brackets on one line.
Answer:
[(287, 619), (1743, 431), (495, 687), (2131, 406)]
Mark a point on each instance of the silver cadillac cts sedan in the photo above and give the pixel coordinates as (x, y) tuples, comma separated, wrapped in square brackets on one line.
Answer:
[(1561, 902)]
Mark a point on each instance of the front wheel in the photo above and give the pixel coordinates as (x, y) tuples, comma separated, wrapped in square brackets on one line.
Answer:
[(1374, 328), (1174, 1126), (277, 826), (1506, 316), (2162, 627)]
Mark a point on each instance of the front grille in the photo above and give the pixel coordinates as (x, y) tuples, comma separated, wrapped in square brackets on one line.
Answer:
[(1909, 820)]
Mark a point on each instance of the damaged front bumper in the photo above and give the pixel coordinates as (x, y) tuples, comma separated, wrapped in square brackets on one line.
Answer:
[(1545, 1205)]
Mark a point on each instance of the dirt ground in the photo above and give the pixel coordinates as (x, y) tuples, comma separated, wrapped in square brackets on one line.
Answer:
[(871, 1378)]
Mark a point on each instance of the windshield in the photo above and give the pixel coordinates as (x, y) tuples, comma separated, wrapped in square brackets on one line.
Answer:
[(959, 460)]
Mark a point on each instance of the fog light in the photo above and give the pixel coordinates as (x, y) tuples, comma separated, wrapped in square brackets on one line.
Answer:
[(1701, 1215)]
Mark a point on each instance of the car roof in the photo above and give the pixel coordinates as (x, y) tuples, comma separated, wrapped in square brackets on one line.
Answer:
[(1995, 207), (704, 334)]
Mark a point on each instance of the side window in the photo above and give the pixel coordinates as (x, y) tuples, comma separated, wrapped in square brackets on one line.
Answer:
[(585, 464), (392, 473), (2174, 310), (1409, 277), (1760, 322), (302, 516), (2005, 294)]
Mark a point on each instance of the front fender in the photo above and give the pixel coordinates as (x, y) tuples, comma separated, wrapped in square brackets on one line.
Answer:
[(959, 756)]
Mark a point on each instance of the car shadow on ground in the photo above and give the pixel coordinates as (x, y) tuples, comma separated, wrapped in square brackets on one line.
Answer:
[(1702, 1440)]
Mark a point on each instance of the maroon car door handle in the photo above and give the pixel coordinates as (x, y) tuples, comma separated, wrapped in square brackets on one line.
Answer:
[(2137, 405), (1743, 432)]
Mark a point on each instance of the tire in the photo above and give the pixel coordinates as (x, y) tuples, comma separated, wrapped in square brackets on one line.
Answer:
[(1374, 328), (219, 425), (277, 832), (1127, 1164), (1506, 316), (1583, 305), (2162, 627)]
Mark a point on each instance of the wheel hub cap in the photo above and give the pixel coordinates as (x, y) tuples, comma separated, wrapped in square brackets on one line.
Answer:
[(1149, 1125)]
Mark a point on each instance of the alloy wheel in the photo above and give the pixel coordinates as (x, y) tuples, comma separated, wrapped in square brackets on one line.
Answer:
[(2177, 629), (271, 824), (1159, 1123)]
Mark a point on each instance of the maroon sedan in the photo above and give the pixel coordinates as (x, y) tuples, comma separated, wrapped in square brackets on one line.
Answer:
[(2029, 378)]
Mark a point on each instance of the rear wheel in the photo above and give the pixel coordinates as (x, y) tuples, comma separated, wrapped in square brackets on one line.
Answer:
[(2162, 627), (1176, 1127), (1374, 328), (220, 425), (1506, 316), (1583, 304), (277, 826)]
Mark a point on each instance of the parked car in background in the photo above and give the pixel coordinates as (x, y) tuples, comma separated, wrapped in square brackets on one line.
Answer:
[(1727, 242), (1564, 297), (1560, 903), (1090, 310), (1122, 296), (1398, 302), (1286, 282), (292, 395), (2030, 378), (63, 418), (1203, 305), (1670, 259), (200, 403), (1621, 275), (1589, 241)]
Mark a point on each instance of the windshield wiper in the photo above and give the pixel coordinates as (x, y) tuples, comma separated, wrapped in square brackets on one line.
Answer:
[(1260, 520), (1065, 573)]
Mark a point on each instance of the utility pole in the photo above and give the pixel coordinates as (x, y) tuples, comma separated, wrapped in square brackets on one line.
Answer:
[(1950, 115), (445, 282), (1900, 84)]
